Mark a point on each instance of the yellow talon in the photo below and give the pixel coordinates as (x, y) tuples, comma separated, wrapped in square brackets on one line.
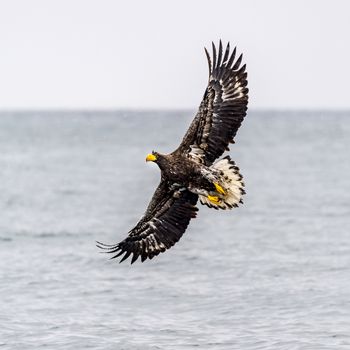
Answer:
[(214, 199), (218, 188)]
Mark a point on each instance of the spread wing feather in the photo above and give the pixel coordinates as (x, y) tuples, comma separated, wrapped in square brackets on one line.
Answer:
[(222, 109), (164, 222)]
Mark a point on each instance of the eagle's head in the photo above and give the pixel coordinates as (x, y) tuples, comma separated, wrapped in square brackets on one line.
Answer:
[(152, 157), (160, 159)]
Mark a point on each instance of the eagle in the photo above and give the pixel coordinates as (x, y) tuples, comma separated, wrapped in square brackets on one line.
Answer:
[(192, 171)]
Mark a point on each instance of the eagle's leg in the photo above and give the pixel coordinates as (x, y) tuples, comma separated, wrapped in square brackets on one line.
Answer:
[(225, 186), (212, 195), (214, 199), (211, 181), (219, 189)]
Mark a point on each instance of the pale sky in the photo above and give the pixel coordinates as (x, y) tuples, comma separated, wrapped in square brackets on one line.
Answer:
[(96, 54)]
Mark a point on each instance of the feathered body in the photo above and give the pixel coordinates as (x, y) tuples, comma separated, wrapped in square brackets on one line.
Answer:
[(182, 172), (222, 180), (192, 171)]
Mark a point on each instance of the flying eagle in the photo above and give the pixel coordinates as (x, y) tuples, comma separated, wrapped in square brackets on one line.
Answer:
[(191, 171)]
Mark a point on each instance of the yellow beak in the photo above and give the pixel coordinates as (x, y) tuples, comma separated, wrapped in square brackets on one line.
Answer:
[(151, 158)]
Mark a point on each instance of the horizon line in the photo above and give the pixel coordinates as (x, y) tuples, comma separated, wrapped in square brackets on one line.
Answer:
[(161, 109)]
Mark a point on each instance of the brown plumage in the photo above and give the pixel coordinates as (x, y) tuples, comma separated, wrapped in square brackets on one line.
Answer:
[(190, 172)]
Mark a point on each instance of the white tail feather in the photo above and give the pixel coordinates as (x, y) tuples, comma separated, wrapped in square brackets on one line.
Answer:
[(231, 181)]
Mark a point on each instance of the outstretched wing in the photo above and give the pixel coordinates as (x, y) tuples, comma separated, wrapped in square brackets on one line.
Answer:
[(222, 109), (164, 222)]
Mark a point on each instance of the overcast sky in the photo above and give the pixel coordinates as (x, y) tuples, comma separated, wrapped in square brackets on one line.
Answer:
[(149, 54)]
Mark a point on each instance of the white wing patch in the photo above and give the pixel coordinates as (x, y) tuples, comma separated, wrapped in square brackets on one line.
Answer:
[(197, 154)]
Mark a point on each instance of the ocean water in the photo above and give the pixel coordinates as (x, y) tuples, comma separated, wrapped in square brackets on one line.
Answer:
[(272, 274)]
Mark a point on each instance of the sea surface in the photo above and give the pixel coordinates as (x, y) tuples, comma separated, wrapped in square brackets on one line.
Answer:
[(271, 274)]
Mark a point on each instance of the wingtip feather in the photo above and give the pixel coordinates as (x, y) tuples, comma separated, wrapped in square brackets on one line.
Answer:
[(227, 52), (209, 60), (214, 54)]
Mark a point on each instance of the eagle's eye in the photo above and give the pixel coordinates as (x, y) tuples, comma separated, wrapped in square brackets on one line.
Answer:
[(151, 158)]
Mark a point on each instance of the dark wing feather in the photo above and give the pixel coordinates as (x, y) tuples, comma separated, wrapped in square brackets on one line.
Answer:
[(164, 222), (222, 109)]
